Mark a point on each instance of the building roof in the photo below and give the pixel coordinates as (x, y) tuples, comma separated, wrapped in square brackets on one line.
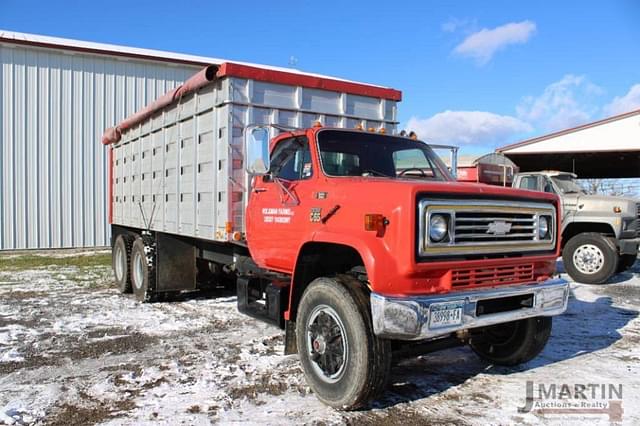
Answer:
[(35, 40), (537, 139), (607, 148)]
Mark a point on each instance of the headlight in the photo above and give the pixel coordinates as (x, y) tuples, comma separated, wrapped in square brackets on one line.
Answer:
[(543, 227), (438, 228)]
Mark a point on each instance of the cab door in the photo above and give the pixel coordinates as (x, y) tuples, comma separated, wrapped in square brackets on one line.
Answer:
[(279, 205)]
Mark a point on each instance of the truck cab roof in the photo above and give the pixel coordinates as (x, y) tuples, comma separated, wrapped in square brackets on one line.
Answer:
[(551, 173)]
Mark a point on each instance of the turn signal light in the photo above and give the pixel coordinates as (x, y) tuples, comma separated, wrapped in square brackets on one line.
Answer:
[(382, 130), (358, 126), (372, 129), (317, 124), (228, 227), (617, 209), (375, 222), (413, 136)]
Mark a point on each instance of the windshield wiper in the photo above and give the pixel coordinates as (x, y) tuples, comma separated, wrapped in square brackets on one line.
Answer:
[(375, 173)]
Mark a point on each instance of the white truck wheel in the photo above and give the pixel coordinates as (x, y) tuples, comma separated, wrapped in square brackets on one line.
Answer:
[(590, 258)]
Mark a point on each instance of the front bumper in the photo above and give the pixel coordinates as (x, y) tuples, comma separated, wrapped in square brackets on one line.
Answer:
[(629, 246), (408, 318)]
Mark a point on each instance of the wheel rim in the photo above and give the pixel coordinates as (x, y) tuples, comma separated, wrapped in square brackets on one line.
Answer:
[(119, 263), (327, 344), (138, 271), (588, 259)]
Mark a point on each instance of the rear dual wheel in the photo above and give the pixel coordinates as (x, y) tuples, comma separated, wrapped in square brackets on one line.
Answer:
[(143, 260), (120, 258)]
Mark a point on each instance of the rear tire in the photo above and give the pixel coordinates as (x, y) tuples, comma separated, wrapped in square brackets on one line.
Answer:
[(514, 342), (143, 275), (345, 363), (590, 258), (121, 261)]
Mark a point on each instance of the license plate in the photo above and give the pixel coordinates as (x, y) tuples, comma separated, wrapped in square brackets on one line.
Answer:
[(445, 314)]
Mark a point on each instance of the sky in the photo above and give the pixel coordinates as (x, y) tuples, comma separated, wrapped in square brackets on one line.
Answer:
[(478, 74)]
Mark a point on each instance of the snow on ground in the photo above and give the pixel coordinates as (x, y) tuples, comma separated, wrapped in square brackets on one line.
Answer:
[(74, 351)]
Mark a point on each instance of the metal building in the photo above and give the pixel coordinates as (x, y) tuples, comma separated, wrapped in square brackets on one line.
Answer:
[(608, 148), (57, 96)]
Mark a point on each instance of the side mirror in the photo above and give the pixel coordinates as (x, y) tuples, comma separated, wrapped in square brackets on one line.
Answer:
[(256, 148)]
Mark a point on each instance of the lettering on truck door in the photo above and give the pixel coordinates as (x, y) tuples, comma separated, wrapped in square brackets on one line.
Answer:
[(280, 205)]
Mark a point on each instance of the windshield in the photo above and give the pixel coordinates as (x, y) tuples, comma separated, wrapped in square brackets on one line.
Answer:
[(567, 184), (345, 153)]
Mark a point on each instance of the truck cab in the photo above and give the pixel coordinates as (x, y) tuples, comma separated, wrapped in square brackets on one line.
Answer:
[(382, 245), (600, 233)]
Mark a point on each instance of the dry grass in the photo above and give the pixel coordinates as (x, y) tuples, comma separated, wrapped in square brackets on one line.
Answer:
[(31, 261)]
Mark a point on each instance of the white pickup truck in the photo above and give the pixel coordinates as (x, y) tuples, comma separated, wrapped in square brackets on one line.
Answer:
[(600, 234)]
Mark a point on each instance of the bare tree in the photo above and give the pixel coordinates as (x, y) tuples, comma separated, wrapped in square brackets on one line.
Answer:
[(617, 187)]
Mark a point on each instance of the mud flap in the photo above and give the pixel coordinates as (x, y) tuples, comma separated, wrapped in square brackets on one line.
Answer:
[(290, 342), (176, 268), (263, 300)]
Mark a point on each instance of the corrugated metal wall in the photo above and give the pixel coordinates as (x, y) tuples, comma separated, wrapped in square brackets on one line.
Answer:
[(54, 107)]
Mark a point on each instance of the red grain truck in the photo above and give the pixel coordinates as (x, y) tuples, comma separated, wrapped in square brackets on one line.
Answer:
[(357, 242)]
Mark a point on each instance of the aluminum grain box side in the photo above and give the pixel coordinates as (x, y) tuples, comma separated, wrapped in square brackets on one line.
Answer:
[(180, 170)]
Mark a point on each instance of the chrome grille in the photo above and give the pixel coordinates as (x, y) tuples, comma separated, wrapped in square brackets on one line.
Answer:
[(492, 226), (486, 226)]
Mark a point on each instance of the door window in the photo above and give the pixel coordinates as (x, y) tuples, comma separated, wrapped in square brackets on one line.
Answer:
[(529, 182), (548, 186), (291, 159)]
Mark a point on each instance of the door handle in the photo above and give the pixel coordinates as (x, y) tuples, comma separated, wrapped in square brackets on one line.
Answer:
[(256, 190)]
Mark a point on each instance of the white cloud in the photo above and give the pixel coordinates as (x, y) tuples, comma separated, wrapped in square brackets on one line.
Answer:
[(626, 103), (482, 45), (565, 103), (453, 24), (467, 128)]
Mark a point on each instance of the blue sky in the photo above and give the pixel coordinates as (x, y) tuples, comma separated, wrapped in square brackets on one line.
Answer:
[(479, 74)]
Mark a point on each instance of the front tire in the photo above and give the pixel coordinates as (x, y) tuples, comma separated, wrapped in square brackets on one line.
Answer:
[(345, 363), (590, 258), (121, 260), (143, 277), (512, 343)]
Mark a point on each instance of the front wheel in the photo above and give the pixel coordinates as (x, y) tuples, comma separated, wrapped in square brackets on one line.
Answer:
[(512, 343), (345, 363), (590, 258)]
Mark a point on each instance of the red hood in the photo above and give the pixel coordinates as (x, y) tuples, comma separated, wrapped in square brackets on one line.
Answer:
[(389, 186)]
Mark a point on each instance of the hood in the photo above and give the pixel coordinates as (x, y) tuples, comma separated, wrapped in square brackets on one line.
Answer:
[(603, 203), (604, 198), (386, 185)]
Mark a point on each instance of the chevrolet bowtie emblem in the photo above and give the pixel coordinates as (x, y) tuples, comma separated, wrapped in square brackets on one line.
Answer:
[(499, 227)]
